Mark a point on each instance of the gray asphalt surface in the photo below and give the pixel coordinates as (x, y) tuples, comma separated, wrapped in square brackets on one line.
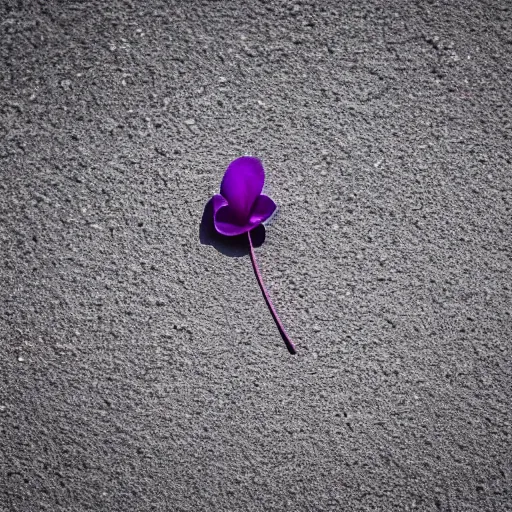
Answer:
[(140, 368)]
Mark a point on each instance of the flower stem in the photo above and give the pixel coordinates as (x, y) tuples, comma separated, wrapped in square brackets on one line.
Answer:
[(289, 343)]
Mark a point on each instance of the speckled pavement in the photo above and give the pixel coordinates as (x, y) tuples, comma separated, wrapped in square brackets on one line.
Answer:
[(140, 369)]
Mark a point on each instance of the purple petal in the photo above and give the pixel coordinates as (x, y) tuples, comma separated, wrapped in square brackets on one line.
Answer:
[(226, 221), (242, 184), (217, 203), (262, 210)]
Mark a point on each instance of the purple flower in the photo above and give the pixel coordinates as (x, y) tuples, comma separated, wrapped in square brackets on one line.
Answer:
[(241, 206)]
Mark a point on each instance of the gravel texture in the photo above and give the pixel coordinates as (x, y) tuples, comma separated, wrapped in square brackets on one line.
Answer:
[(140, 368)]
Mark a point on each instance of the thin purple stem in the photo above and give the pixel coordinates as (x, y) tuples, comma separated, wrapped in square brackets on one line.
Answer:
[(289, 343)]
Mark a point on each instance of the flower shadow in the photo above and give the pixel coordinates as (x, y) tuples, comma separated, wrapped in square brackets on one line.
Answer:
[(232, 246)]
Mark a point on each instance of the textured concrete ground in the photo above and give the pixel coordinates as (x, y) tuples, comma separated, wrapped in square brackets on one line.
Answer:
[(140, 369)]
